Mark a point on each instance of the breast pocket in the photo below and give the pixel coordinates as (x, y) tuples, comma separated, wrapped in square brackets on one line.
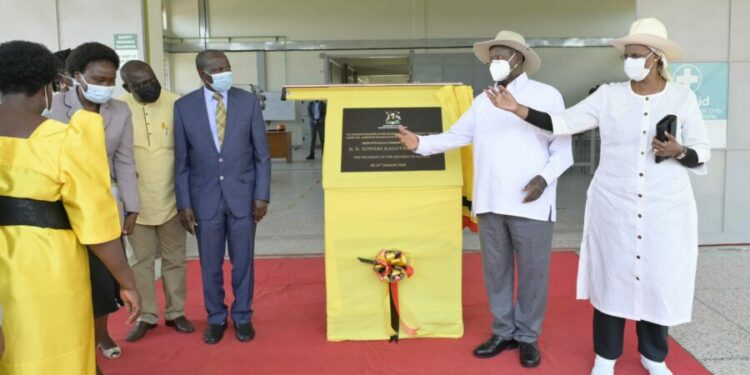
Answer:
[(166, 135)]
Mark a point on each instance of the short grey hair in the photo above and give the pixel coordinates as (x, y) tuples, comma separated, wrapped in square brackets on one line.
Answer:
[(201, 60)]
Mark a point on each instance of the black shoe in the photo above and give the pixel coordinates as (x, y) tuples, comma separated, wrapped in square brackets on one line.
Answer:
[(214, 333), (529, 355), (139, 331), (181, 324), (244, 332), (310, 157), (494, 346)]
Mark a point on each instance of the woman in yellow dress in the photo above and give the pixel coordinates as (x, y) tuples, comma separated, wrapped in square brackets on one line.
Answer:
[(54, 197)]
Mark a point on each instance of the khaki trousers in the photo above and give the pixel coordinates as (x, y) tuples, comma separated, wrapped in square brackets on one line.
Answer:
[(168, 242)]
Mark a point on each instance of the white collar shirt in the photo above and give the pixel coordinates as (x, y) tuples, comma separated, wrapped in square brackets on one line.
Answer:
[(509, 152)]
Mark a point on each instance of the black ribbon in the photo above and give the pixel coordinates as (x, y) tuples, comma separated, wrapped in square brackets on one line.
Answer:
[(394, 317)]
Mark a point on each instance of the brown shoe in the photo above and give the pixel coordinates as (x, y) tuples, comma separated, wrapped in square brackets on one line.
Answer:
[(181, 324), (139, 331)]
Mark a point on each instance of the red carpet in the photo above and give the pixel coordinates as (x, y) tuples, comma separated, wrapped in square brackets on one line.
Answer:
[(290, 321)]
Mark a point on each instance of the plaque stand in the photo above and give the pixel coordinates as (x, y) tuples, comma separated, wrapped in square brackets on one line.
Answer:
[(396, 202)]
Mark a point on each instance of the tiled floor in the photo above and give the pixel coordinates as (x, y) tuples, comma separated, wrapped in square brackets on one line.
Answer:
[(719, 335)]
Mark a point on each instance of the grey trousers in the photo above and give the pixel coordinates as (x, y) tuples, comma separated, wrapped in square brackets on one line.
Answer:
[(502, 239)]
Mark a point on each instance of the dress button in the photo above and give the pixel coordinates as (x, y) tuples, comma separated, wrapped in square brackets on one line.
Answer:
[(644, 132), (638, 257), (640, 195), (645, 113), (640, 174), (640, 216), (643, 153), (221, 177), (647, 98), (221, 160), (639, 237), (637, 278)]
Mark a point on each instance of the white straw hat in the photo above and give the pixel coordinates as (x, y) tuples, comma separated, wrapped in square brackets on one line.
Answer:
[(649, 32), (531, 63)]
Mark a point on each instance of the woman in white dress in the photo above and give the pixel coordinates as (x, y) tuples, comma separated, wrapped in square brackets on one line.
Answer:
[(640, 239)]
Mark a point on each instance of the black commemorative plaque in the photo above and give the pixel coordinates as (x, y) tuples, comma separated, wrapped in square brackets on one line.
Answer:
[(369, 141)]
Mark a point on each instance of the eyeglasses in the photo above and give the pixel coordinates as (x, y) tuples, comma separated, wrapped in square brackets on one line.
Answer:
[(635, 56)]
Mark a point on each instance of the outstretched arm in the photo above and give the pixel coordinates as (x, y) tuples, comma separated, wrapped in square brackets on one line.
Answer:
[(577, 119), (459, 135)]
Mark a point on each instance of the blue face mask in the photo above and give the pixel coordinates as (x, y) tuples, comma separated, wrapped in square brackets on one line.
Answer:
[(222, 81), (95, 93)]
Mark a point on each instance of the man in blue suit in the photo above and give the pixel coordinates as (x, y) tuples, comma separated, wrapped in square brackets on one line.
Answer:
[(222, 183)]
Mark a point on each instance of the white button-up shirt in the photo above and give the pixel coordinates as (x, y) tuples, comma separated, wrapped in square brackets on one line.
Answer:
[(211, 105), (640, 236), (509, 152)]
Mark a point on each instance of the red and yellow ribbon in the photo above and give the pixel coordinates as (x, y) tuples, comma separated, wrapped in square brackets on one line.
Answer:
[(393, 266)]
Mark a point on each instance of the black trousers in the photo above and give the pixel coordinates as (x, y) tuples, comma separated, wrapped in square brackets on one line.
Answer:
[(609, 332), (317, 128)]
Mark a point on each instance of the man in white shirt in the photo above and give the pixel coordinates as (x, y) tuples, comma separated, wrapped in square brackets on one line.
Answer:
[(515, 182)]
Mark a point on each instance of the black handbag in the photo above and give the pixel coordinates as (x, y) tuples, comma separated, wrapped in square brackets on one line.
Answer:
[(667, 124)]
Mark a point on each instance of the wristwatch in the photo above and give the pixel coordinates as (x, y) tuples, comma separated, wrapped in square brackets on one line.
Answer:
[(682, 154)]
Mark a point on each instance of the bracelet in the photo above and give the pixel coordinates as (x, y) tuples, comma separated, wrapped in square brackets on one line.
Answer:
[(683, 154)]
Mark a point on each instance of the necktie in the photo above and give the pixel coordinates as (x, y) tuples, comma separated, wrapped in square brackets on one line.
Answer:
[(221, 118)]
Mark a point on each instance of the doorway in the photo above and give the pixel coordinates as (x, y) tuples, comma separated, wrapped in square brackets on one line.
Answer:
[(369, 69)]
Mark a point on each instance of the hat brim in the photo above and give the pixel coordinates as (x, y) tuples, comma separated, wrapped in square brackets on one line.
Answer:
[(531, 63), (671, 49)]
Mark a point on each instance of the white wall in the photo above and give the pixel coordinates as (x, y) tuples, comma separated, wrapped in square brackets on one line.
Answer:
[(36, 22), (98, 21), (68, 23)]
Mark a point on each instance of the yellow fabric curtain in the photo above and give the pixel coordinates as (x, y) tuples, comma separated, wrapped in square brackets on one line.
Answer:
[(455, 101)]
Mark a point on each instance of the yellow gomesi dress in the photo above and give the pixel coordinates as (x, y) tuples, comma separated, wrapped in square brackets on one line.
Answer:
[(45, 290)]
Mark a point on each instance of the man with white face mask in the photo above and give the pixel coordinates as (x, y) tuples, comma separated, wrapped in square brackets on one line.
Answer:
[(640, 239), (516, 167), (222, 184)]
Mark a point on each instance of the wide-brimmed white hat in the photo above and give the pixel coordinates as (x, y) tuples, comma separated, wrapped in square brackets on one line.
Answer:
[(649, 32), (506, 38)]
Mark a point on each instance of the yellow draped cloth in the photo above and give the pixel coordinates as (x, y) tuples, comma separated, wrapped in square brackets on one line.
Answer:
[(414, 211), (45, 291), (456, 100)]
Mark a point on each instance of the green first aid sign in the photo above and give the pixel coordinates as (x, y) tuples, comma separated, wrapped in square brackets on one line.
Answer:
[(710, 82)]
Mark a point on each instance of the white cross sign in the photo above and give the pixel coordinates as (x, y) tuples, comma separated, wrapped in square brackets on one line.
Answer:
[(686, 77)]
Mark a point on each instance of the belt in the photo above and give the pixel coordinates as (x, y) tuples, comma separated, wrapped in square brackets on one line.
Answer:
[(34, 213)]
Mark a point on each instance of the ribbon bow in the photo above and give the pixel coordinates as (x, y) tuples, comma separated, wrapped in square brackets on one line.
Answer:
[(393, 266)]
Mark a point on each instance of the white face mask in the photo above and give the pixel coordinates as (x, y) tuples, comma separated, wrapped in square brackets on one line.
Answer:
[(96, 93), (222, 82), (500, 69), (636, 69)]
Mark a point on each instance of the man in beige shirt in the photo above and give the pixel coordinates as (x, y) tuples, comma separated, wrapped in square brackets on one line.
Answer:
[(158, 231)]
